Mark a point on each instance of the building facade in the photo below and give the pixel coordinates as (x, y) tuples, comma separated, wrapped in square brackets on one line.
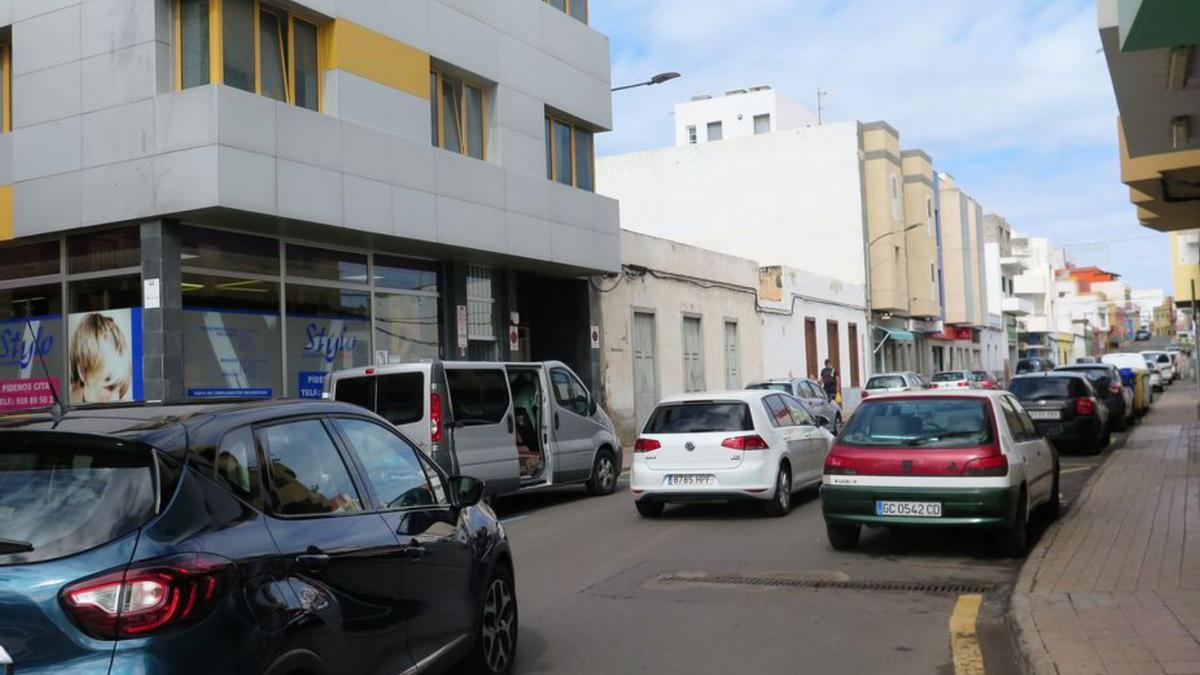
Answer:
[(677, 319), (234, 198)]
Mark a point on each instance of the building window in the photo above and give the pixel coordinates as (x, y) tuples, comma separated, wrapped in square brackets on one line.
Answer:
[(481, 309), (249, 45), (576, 8), (691, 134), (715, 131), (762, 124), (929, 215), (6, 87), (570, 154), (457, 115)]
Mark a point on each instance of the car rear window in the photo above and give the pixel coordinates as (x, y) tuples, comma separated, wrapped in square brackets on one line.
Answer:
[(952, 376), (699, 418), (919, 423), (1037, 388), (773, 386), (397, 397), (61, 494), (886, 382), (1093, 374)]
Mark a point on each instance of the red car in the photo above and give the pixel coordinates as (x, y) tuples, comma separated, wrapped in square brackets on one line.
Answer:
[(985, 380)]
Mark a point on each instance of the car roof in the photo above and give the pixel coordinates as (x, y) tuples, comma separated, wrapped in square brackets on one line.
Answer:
[(1084, 366), (1051, 373), (894, 373), (955, 370), (938, 393), (744, 395)]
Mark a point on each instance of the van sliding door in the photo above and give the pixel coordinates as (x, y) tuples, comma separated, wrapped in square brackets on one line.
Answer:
[(482, 426)]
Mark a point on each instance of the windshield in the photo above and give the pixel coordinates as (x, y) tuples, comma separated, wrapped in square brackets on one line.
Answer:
[(952, 376), (1038, 388), (886, 382), (59, 497), (774, 386), (699, 418), (924, 422)]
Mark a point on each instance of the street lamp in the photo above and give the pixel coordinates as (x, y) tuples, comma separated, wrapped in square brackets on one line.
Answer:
[(657, 79)]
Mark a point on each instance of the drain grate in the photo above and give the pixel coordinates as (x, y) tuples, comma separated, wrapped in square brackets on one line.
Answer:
[(828, 584)]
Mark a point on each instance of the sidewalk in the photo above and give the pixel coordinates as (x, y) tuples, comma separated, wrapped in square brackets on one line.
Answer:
[(1115, 587)]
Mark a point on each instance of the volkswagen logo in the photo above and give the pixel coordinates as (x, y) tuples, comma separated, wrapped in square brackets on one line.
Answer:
[(690, 446)]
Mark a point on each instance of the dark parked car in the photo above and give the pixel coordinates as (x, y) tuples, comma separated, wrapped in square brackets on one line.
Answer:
[(1106, 380), (284, 538), (1065, 409), (1034, 365), (1142, 335)]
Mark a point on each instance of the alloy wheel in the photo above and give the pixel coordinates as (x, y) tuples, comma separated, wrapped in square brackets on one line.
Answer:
[(499, 611), (784, 491), (607, 473)]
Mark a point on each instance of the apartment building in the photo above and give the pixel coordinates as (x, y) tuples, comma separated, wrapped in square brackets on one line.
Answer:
[(235, 197), (1000, 267), (1035, 284), (962, 343)]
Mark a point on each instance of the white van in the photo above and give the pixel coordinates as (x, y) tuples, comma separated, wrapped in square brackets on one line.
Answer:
[(516, 426)]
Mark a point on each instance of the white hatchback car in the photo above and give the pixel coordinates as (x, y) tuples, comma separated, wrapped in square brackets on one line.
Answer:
[(758, 445)]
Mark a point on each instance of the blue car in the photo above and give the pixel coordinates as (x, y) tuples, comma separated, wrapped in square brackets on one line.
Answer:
[(284, 538)]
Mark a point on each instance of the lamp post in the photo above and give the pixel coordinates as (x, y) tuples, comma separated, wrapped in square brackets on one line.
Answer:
[(657, 79)]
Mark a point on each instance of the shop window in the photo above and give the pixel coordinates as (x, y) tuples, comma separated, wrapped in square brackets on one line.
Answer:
[(328, 329), (106, 250), (570, 154), (228, 251), (406, 275), (259, 48), (320, 263), (231, 334), (406, 328), (32, 332), (32, 260), (104, 340), (457, 114)]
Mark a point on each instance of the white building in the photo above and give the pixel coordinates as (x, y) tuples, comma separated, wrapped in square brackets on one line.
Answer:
[(1145, 301), (677, 319), (740, 113), (1036, 330)]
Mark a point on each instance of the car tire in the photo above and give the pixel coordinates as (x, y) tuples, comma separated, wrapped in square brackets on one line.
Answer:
[(843, 537), (1012, 542), (495, 647), (649, 509), (781, 504), (604, 474), (837, 425)]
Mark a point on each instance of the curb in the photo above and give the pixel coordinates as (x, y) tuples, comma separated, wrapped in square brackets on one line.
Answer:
[(1035, 658)]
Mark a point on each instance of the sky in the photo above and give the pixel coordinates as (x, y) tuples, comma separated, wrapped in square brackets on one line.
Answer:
[(1012, 98)]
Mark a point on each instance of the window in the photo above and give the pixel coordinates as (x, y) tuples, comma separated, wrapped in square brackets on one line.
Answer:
[(257, 48), (481, 304), (570, 392), (929, 215), (308, 476), (392, 466), (229, 251), (1026, 431), (778, 412), (107, 250), (477, 396), (700, 418), (896, 198), (715, 131), (693, 355), (6, 88), (576, 8), (762, 124), (800, 415), (330, 265), (691, 134), (33, 260), (570, 154), (235, 465), (456, 114)]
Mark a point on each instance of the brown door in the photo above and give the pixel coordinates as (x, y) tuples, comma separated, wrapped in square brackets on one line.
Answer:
[(853, 354), (835, 349), (810, 346)]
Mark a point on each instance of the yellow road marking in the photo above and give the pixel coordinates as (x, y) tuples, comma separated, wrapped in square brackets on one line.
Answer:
[(1076, 469), (964, 646)]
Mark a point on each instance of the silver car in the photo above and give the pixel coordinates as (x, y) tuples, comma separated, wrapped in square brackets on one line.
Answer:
[(891, 383), (811, 394)]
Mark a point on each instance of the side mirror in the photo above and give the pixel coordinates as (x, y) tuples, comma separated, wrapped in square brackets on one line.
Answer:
[(465, 491), (822, 421)]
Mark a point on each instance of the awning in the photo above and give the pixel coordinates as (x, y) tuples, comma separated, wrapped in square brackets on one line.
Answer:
[(894, 334)]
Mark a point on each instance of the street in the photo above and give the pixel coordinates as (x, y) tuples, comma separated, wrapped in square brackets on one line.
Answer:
[(592, 579)]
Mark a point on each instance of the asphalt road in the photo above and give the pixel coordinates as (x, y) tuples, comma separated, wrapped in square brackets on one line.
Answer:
[(594, 597)]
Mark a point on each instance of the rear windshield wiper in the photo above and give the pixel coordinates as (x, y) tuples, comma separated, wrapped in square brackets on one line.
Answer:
[(938, 437), (14, 546)]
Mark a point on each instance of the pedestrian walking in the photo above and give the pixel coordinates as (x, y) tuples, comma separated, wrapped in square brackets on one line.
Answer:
[(829, 380)]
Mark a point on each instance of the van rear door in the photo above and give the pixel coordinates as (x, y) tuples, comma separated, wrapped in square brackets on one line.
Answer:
[(481, 425), (403, 395)]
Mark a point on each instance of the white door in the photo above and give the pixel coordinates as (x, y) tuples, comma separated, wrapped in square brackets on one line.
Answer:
[(693, 355), (1031, 450), (645, 368), (812, 444), (733, 371)]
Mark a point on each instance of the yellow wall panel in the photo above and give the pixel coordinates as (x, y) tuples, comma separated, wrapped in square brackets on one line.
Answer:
[(350, 47)]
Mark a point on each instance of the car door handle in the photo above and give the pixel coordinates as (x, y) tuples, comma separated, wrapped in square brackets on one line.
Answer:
[(413, 551), (510, 423), (312, 562), (556, 421)]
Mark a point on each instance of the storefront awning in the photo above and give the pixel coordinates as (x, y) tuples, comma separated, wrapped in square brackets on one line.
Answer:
[(893, 334)]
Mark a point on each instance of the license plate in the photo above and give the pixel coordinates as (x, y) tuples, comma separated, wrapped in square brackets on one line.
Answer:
[(917, 509), (1045, 414), (691, 479)]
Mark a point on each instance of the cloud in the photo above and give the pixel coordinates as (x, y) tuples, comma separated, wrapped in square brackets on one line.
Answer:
[(1010, 97)]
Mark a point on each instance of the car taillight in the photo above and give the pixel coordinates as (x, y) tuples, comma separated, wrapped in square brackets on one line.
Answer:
[(435, 417), (1085, 406), (996, 465), (646, 445), (149, 597), (839, 466), (754, 442), (865, 393)]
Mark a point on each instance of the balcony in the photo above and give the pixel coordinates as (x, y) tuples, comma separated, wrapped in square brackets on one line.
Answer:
[(1013, 264), (1017, 306), (1028, 284), (1036, 323)]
